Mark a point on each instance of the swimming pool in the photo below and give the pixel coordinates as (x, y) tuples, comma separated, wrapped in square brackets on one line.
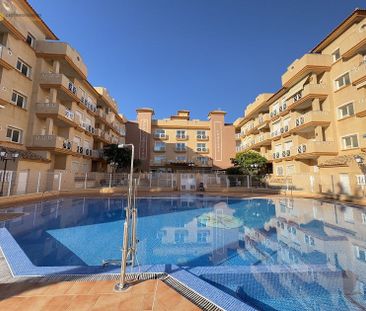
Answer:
[(278, 254)]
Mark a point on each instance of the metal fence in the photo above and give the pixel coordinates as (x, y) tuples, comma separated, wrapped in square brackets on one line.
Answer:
[(26, 182)]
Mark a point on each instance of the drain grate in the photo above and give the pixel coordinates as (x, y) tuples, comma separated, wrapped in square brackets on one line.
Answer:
[(191, 295)]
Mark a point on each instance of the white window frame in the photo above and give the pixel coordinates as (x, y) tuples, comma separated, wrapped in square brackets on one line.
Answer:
[(13, 129), (349, 135), (279, 167), (159, 146), (201, 147), (180, 146), (181, 134), (334, 57), (15, 102), (23, 64), (340, 117), (33, 40), (336, 82), (201, 134)]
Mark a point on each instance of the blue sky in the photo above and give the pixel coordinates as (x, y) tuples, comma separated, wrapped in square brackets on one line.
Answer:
[(191, 54)]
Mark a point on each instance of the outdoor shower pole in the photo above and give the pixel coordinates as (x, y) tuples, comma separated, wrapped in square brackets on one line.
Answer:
[(121, 286)]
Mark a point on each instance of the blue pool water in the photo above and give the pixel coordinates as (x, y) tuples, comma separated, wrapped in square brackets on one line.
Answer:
[(271, 254)]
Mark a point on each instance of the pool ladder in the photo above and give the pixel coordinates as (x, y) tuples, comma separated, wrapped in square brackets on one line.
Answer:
[(129, 235)]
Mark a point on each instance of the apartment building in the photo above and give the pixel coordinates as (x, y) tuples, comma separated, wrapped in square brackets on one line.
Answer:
[(180, 143), (51, 111), (315, 124)]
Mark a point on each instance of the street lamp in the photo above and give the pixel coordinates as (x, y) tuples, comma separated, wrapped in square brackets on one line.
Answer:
[(5, 157), (128, 248)]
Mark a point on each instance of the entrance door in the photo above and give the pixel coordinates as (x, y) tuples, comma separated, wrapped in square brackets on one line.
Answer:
[(344, 184)]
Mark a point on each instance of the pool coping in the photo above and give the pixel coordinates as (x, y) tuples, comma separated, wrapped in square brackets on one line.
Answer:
[(20, 266)]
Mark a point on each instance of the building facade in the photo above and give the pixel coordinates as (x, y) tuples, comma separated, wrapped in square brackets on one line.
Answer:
[(50, 109), (180, 143), (315, 124)]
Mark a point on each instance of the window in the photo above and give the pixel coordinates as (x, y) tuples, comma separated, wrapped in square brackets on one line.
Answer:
[(360, 253), (159, 159), (201, 147), (159, 146), (181, 134), (14, 135), (160, 133), (181, 158), (350, 141), (279, 171), (202, 236), (203, 160), (23, 68), (336, 55), (346, 111), (276, 128), (18, 99), (342, 81), (30, 40), (348, 214), (290, 169), (180, 236), (201, 134), (180, 146), (309, 240)]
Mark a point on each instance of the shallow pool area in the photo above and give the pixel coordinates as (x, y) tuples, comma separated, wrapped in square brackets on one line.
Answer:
[(260, 253)]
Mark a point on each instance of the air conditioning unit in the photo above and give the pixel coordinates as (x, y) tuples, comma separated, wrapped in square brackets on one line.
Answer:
[(286, 128), (288, 153), (303, 148), (280, 108), (277, 155), (199, 149), (297, 122), (283, 153), (302, 120), (284, 106), (271, 114), (282, 130), (274, 155)]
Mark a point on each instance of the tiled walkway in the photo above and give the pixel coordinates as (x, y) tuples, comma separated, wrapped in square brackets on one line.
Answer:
[(98, 295)]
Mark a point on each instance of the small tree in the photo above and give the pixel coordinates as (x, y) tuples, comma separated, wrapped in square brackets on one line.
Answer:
[(250, 163), (120, 158)]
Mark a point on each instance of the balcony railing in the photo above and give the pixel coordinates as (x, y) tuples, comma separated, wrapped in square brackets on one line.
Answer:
[(316, 63), (315, 148), (161, 136), (358, 75), (180, 149), (237, 136), (53, 142), (161, 149), (353, 44), (55, 110), (181, 137), (202, 137), (311, 118), (7, 57), (310, 91), (202, 150), (58, 80)]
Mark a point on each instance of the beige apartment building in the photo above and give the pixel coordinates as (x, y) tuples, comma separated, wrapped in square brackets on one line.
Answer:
[(180, 143), (50, 113), (314, 126)]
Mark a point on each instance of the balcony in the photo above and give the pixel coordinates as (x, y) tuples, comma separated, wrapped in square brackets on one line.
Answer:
[(62, 115), (360, 106), (53, 143), (101, 114), (358, 75), (314, 149), (68, 56), (110, 118), (162, 149), (7, 58), (181, 137), (161, 136), (353, 44), (237, 136), (307, 94), (309, 120), (59, 81), (262, 140), (285, 154), (180, 150), (263, 121), (202, 137), (309, 63)]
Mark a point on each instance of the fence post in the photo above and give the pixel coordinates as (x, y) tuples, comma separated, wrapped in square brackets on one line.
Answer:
[(10, 180), (248, 185), (59, 182), (38, 181), (85, 180), (172, 180), (110, 180), (227, 182), (150, 179)]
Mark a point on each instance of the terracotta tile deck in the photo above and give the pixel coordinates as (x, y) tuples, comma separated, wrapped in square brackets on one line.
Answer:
[(98, 295)]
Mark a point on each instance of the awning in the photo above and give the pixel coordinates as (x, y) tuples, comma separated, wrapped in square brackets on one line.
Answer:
[(297, 87)]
